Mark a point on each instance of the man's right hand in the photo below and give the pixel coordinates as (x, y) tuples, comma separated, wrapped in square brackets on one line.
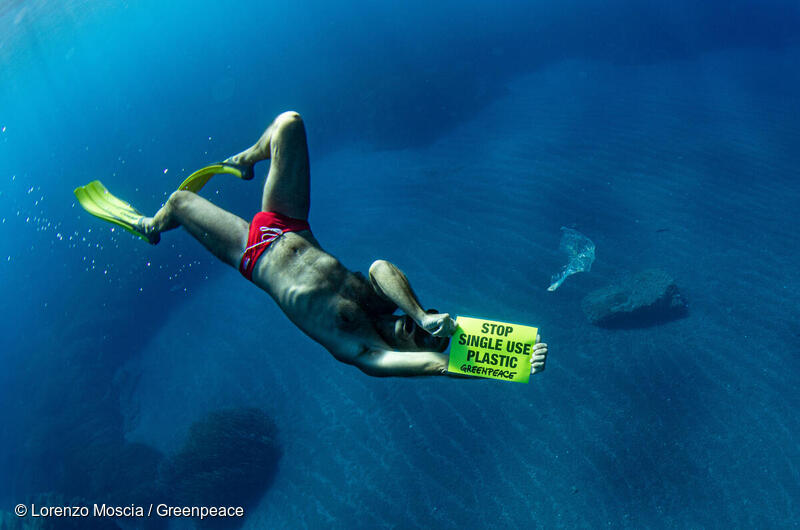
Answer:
[(438, 324)]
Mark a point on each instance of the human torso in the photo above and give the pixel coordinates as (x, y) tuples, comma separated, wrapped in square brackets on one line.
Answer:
[(318, 294)]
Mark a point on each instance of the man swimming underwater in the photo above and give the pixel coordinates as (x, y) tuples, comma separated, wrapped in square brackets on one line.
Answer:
[(348, 315)]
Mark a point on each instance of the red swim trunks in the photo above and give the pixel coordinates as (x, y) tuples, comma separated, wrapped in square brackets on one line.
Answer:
[(265, 228)]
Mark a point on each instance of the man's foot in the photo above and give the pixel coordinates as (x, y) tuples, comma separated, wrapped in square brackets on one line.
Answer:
[(247, 170), (145, 226), (249, 157), (242, 161), (438, 324)]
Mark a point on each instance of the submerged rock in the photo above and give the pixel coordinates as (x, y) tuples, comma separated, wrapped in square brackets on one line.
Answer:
[(229, 459), (645, 299)]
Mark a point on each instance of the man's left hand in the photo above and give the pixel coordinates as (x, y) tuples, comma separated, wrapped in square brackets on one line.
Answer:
[(539, 356)]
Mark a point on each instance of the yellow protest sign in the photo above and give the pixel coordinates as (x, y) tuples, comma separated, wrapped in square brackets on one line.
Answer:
[(496, 350)]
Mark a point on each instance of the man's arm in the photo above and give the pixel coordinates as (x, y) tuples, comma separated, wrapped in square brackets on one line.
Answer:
[(387, 363)]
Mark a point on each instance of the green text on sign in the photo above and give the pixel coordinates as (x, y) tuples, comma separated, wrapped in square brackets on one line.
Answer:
[(487, 348)]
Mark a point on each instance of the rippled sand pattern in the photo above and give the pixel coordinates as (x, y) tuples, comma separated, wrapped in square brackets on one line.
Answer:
[(690, 167)]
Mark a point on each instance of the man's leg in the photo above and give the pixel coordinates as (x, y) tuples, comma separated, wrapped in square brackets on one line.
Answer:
[(287, 188), (221, 232), (390, 282), (286, 191)]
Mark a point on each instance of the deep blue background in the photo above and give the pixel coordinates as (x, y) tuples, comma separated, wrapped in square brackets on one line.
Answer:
[(453, 138)]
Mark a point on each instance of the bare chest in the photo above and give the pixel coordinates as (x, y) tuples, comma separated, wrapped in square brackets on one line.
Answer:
[(315, 291)]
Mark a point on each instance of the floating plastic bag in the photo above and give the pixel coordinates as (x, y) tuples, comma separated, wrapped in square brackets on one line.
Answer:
[(580, 251)]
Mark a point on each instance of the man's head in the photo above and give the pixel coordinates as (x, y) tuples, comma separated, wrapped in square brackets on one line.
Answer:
[(403, 334)]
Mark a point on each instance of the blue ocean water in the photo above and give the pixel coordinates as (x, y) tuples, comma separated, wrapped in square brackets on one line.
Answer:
[(453, 139)]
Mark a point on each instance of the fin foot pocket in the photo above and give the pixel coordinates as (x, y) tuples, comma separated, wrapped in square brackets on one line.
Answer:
[(199, 178)]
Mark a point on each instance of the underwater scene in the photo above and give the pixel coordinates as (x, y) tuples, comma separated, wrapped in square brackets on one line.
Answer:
[(621, 176)]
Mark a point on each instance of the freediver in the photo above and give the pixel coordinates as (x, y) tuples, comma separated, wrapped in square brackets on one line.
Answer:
[(350, 315)]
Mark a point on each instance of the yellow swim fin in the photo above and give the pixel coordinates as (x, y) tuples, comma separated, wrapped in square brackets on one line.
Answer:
[(98, 201), (198, 179)]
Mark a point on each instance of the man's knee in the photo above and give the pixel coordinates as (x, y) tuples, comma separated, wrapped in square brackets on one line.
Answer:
[(375, 270), (180, 198), (288, 121), (377, 266)]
